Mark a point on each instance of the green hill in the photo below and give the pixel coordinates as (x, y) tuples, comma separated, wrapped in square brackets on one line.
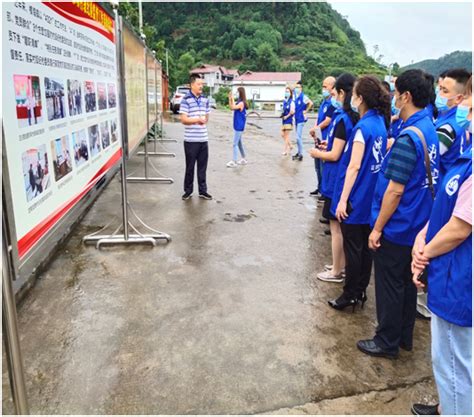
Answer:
[(309, 37), (457, 59)]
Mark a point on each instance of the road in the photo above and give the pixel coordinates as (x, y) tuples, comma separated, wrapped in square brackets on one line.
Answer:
[(227, 318)]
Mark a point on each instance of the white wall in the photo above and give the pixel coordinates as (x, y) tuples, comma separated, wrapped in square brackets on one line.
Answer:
[(268, 92)]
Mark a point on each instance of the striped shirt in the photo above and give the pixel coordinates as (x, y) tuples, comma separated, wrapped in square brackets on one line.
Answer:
[(193, 106), (402, 160)]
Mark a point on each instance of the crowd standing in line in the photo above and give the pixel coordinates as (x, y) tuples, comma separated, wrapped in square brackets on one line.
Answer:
[(393, 163)]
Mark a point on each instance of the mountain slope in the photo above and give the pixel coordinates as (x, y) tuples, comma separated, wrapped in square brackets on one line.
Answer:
[(309, 37), (457, 59)]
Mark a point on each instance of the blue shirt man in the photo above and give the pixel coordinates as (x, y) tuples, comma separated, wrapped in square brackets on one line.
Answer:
[(302, 105), (400, 208), (194, 110), (325, 115)]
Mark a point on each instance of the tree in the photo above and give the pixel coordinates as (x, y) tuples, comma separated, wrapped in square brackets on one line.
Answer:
[(265, 58), (222, 95), (240, 48), (185, 64)]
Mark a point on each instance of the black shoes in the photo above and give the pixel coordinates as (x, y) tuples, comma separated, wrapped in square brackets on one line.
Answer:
[(342, 302), (369, 347), (362, 299), (406, 347), (297, 157), (205, 196), (186, 196), (323, 220), (425, 410), (315, 192), (321, 198)]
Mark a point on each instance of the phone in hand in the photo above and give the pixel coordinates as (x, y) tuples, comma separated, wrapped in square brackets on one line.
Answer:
[(423, 278)]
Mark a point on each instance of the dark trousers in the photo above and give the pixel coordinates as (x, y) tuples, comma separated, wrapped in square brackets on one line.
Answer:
[(395, 296), (317, 168), (196, 152), (358, 258)]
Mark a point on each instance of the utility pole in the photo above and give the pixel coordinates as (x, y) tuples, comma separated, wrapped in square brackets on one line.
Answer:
[(167, 71), (140, 16)]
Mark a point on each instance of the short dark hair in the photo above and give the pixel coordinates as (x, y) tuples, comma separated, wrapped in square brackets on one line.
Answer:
[(443, 74), (193, 78), (418, 83), (300, 83), (460, 75), (386, 84)]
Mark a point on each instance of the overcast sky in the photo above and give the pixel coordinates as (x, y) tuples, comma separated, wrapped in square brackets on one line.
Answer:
[(410, 32)]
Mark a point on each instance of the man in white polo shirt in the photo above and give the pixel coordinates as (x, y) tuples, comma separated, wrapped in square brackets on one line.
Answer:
[(194, 110)]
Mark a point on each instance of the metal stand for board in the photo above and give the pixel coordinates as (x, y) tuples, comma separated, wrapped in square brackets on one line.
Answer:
[(125, 238), (10, 332), (147, 178)]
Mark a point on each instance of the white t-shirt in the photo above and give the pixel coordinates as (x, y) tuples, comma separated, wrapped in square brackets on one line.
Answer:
[(359, 137)]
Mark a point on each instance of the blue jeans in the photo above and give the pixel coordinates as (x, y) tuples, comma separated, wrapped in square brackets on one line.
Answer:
[(238, 146), (451, 351), (299, 137), (317, 168)]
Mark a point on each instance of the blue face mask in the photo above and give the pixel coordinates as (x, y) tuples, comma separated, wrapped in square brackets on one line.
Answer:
[(287, 95), (395, 109), (297, 91), (326, 93), (462, 112), (354, 108), (392, 87), (441, 103), (335, 103)]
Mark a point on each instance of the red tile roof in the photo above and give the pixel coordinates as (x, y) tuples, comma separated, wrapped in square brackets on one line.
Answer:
[(206, 69), (269, 76)]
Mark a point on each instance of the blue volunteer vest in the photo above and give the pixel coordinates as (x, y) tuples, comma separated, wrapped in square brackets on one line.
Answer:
[(430, 109), (373, 129), (415, 204), (329, 171), (323, 112), (395, 128), (450, 275), (240, 118), (286, 112), (300, 107), (449, 158)]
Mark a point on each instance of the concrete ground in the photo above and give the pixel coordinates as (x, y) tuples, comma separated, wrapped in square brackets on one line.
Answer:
[(228, 318)]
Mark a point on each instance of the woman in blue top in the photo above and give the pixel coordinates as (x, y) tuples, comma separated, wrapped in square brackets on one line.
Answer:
[(330, 153), (240, 117), (287, 120), (355, 183)]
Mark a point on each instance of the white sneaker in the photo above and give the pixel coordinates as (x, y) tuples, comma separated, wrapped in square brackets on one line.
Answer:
[(231, 164), (327, 276), (243, 161), (329, 268)]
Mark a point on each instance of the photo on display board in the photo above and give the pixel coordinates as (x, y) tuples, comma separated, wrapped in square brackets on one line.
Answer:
[(35, 171), (90, 96), (61, 157), (55, 104), (112, 95), (80, 147), (113, 130), (29, 110), (94, 143), (105, 134), (74, 97), (102, 96)]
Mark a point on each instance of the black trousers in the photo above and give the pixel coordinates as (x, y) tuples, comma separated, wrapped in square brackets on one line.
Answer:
[(358, 258), (196, 152), (395, 296)]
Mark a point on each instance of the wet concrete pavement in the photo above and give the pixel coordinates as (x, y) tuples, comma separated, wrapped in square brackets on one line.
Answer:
[(227, 318)]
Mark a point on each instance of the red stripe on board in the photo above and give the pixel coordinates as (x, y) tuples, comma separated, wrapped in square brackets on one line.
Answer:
[(35, 234), (73, 13)]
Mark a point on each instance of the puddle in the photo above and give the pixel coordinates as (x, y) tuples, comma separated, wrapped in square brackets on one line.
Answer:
[(239, 218)]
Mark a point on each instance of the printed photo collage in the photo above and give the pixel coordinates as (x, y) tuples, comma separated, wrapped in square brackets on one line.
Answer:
[(72, 99)]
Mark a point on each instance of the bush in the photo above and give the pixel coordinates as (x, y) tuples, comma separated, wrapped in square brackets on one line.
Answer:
[(222, 95)]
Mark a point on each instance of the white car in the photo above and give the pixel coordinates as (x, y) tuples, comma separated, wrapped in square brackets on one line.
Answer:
[(180, 92)]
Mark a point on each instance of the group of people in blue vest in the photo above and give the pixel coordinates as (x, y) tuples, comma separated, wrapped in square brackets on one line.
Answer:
[(394, 164)]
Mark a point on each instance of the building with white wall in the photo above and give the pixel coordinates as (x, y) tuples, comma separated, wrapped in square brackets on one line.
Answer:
[(266, 89), (215, 76)]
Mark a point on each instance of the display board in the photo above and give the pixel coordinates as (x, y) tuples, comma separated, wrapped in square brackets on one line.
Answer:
[(60, 109), (159, 88), (135, 88), (151, 77)]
